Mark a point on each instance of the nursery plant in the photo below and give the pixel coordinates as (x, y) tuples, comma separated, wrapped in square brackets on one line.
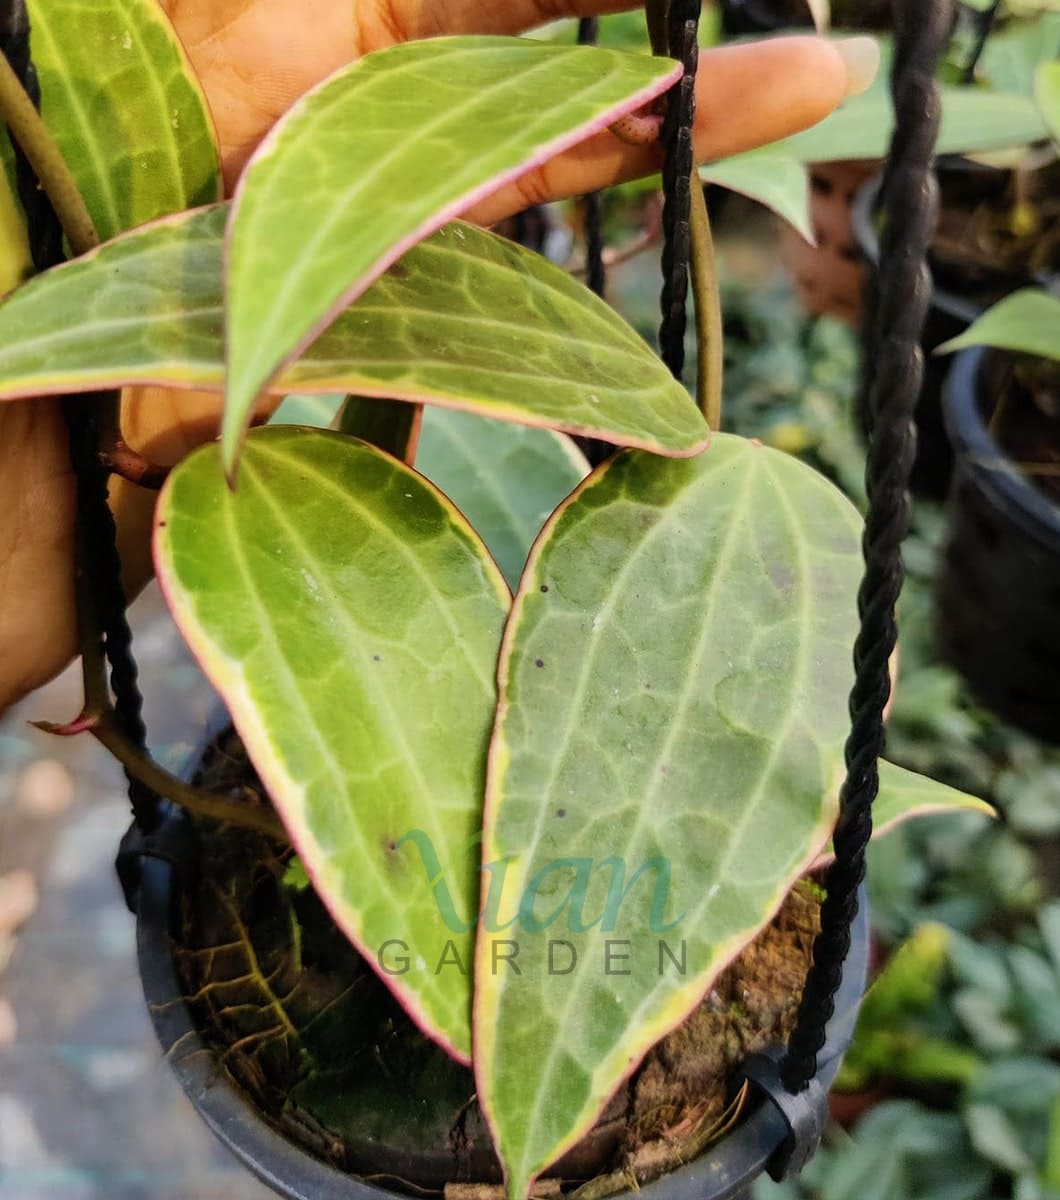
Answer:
[(548, 805)]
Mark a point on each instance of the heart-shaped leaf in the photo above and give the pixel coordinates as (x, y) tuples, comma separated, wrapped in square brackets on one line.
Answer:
[(381, 154), (350, 618), (506, 479), (673, 708), (905, 794), (126, 109), (465, 319)]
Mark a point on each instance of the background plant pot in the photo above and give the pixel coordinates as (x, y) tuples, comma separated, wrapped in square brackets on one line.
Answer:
[(999, 591), (950, 314), (830, 277), (721, 1173)]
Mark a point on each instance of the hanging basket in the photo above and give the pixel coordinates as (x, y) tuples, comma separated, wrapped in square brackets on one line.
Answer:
[(781, 1127), (723, 1171)]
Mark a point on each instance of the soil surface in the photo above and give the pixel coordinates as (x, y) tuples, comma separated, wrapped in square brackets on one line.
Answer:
[(303, 1025)]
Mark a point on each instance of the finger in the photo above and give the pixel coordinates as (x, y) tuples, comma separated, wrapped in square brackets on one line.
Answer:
[(747, 95), (164, 425), (385, 22)]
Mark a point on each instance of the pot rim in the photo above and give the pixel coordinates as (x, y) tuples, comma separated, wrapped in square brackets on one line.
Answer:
[(980, 455), (720, 1173)]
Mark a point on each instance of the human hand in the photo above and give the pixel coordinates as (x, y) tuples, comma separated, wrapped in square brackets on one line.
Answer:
[(255, 58)]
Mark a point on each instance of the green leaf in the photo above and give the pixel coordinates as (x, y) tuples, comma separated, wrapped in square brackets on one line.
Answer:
[(778, 181), (674, 682), (505, 479), (1025, 322), (972, 121), (1014, 50), (125, 108), (379, 156), (1047, 93), (350, 618), (465, 320), (904, 795)]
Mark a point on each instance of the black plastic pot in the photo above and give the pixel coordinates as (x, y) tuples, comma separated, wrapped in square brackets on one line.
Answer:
[(724, 1172), (999, 592), (949, 315)]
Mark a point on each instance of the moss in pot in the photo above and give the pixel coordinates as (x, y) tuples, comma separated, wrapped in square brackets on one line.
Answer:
[(642, 746), (999, 593)]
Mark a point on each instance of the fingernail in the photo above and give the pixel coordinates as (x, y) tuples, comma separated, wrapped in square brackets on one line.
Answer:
[(861, 57)]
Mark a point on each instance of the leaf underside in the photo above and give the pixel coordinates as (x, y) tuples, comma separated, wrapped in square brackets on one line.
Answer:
[(350, 618), (126, 109), (674, 683), (465, 319), (379, 156)]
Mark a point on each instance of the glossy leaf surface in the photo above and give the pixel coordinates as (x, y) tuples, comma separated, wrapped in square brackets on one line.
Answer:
[(126, 109), (506, 479), (672, 714), (350, 618), (465, 319), (379, 156)]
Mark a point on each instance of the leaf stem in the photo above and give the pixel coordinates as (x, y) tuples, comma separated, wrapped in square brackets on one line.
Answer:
[(710, 334), (197, 801), (117, 456), (27, 128)]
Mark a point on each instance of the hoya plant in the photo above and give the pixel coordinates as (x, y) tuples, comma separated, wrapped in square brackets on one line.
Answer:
[(552, 746)]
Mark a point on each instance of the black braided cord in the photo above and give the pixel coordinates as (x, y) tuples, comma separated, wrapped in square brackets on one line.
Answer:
[(98, 559), (683, 37), (893, 379)]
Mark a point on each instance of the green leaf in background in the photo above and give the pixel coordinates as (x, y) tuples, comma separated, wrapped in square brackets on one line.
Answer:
[(972, 121), (382, 154), (350, 618), (1027, 322), (465, 319), (506, 479), (1047, 93), (1015, 50), (126, 109), (674, 683), (318, 412), (778, 181)]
